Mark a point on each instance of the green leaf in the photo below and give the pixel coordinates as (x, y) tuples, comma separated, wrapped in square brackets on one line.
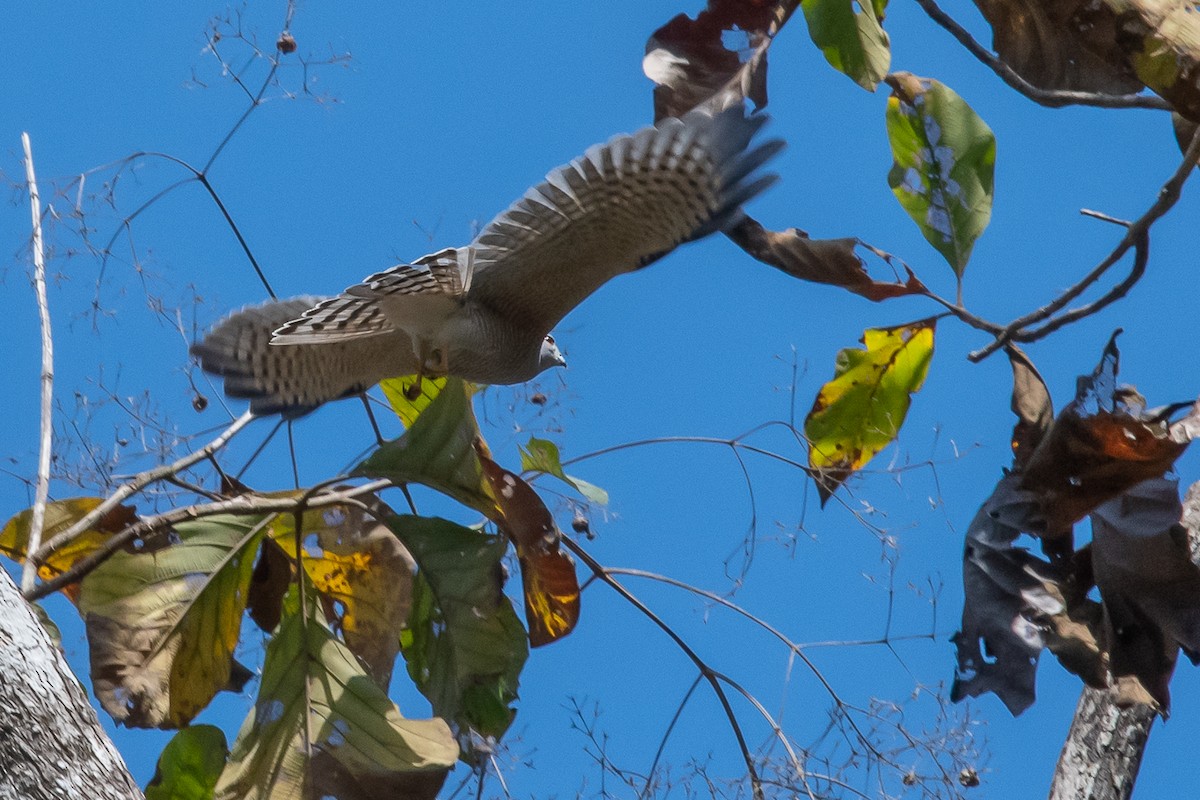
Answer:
[(464, 645), (190, 765), (853, 41), (541, 455), (860, 411), (397, 391), (944, 160), (438, 451), (162, 624), (360, 745)]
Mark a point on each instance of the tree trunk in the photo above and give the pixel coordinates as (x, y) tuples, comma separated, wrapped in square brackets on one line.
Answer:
[(1104, 748), (51, 744)]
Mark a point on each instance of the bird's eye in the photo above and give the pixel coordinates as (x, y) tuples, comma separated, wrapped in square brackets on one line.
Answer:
[(549, 340)]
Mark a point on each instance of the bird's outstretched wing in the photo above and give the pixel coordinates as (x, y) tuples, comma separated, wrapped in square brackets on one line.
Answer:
[(295, 379), (417, 298), (615, 209), (335, 319)]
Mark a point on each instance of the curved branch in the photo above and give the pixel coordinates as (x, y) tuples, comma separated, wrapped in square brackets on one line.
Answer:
[(795, 648), (1136, 237)]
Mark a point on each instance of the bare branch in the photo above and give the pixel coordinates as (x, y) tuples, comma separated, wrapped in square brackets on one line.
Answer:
[(711, 676), (135, 485), (46, 439), (1137, 237)]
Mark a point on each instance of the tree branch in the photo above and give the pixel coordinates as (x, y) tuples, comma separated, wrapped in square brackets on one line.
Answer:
[(1104, 749), (1137, 237), (140, 481), (38, 519)]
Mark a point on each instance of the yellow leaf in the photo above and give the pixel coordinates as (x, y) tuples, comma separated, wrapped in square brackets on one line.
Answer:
[(860, 411)]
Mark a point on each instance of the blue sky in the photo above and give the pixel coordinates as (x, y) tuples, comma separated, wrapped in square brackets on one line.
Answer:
[(442, 115)]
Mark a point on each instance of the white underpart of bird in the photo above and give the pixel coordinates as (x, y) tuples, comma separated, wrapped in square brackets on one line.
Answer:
[(484, 311)]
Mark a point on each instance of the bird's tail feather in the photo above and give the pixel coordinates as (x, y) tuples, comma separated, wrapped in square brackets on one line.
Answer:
[(296, 379)]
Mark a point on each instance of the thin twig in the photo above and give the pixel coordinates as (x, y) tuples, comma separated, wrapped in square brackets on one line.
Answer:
[(796, 649), (38, 518), (710, 675), (135, 485), (200, 177), (242, 505), (1053, 98), (662, 744)]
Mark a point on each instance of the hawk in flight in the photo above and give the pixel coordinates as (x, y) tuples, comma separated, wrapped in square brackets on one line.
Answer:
[(484, 312)]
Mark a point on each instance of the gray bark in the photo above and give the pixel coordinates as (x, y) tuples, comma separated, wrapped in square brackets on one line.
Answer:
[(51, 744), (1104, 748)]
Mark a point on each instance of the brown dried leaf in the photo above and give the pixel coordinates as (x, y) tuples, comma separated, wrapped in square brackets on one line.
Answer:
[(1032, 405), (1161, 40), (1102, 443), (1017, 603), (268, 584), (830, 261), (1149, 583), (548, 573), (1061, 44), (1073, 634), (690, 62)]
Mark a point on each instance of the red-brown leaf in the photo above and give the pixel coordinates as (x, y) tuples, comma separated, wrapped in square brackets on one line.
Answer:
[(548, 573), (830, 261), (690, 61)]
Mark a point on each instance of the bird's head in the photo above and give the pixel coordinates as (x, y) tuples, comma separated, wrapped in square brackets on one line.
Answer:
[(550, 355)]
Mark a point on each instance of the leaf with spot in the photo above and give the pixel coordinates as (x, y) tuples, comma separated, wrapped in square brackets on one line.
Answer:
[(162, 624), (944, 160), (464, 645), (541, 455), (321, 726), (548, 573), (362, 574), (60, 516), (190, 765), (851, 37), (438, 451), (860, 411)]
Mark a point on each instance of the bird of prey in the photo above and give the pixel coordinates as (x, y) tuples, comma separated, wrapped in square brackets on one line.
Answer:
[(484, 311)]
